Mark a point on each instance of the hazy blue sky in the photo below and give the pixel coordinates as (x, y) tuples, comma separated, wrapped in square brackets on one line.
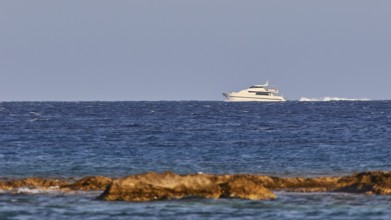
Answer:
[(193, 50)]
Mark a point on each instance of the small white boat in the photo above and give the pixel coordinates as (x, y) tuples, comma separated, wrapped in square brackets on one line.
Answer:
[(256, 93)]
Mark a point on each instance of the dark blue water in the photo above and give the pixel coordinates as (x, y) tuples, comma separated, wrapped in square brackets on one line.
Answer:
[(74, 139)]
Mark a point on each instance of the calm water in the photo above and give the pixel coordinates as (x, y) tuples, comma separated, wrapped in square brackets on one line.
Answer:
[(74, 139)]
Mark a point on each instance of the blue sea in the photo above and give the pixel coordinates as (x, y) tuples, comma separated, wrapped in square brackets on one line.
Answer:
[(77, 139)]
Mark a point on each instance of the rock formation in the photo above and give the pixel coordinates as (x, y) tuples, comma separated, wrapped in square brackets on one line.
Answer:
[(31, 182), (158, 186), (155, 186), (375, 182)]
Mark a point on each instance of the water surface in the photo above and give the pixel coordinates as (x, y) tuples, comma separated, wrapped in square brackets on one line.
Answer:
[(75, 139)]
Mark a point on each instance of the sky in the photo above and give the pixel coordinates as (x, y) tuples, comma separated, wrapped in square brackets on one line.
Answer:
[(125, 50)]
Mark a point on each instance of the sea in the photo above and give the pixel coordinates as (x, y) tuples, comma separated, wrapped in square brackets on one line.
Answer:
[(116, 139)]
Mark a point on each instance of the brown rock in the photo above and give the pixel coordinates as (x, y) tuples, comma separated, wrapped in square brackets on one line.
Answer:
[(155, 186), (373, 182), (168, 185), (90, 183), (246, 189), (300, 184), (31, 182)]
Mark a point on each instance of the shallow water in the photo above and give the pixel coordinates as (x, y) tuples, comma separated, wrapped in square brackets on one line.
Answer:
[(74, 139)]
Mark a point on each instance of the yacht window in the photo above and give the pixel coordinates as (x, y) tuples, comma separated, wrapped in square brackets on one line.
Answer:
[(263, 93)]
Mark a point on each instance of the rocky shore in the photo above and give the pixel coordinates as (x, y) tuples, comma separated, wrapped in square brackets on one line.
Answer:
[(168, 185)]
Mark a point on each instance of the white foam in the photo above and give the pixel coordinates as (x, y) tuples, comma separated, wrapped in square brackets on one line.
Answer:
[(28, 190), (328, 99)]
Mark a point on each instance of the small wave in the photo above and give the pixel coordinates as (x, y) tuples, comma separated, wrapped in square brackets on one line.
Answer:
[(328, 99), (35, 113), (29, 190)]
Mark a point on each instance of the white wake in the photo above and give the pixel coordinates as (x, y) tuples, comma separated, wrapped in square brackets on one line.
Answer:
[(328, 99)]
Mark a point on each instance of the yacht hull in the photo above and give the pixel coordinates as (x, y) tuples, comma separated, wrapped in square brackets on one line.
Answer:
[(237, 98)]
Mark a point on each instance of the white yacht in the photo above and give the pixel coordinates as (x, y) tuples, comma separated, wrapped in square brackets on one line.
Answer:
[(257, 93)]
